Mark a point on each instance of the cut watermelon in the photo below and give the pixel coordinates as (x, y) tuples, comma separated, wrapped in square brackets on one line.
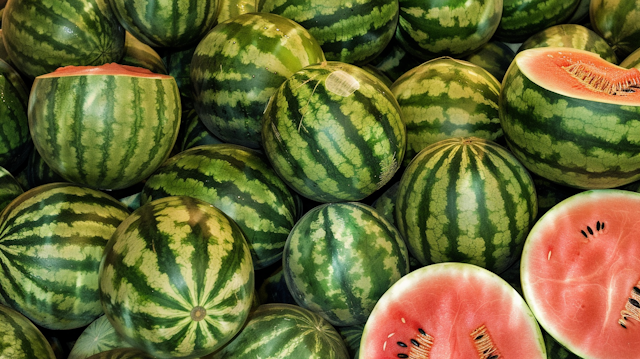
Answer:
[(453, 311), (580, 272)]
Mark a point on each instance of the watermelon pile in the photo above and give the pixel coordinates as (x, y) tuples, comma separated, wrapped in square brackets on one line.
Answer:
[(293, 179)]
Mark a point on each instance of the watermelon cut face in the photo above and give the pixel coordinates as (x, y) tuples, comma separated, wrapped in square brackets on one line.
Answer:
[(580, 273), (453, 311)]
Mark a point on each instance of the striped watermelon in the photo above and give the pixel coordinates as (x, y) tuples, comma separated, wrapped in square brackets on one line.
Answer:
[(166, 23), (9, 188), (571, 35), (137, 53), (239, 182), (466, 200), (354, 32), (98, 337), (334, 133), (445, 98), (178, 64), (633, 60), (42, 35), (228, 9), (15, 140), (52, 240), (494, 56), (456, 28), (176, 278), (394, 61), (193, 132), (340, 258), (617, 22), (240, 64), (106, 126), (36, 172), (524, 18), (20, 338), (567, 127), (285, 331)]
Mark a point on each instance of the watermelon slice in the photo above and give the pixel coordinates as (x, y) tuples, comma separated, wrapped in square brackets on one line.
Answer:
[(451, 311), (580, 273)]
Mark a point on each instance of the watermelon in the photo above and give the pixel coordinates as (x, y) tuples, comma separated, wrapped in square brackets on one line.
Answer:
[(99, 336), (633, 60), (273, 289), (166, 23), (239, 182), (385, 204), (122, 353), (52, 240), (340, 258), (228, 9), (456, 28), (395, 61), (178, 65), (107, 127), (9, 188), (579, 276), (285, 331), (36, 172), (617, 22), (571, 35), (240, 64), (354, 32), (20, 338), (571, 117), (176, 278), (451, 311), (466, 200), (352, 335), (334, 133), (137, 53), (444, 98), (193, 132), (494, 56), (15, 140), (524, 18), (78, 33)]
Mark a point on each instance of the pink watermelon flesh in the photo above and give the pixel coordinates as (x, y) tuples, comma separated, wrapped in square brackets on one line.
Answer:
[(106, 69), (579, 267), (449, 303)]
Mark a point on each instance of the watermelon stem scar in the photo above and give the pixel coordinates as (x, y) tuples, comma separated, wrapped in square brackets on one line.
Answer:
[(632, 307), (611, 81), (483, 343), (420, 346)]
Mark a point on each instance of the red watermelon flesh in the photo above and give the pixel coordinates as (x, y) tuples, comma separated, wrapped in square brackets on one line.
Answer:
[(580, 273), (451, 311)]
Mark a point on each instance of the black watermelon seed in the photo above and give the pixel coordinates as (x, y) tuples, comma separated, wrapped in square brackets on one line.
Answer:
[(415, 342), (493, 357), (422, 332), (402, 344), (402, 355), (479, 337), (634, 302), (636, 290), (584, 234), (590, 230), (486, 351), (602, 227), (598, 226), (624, 326)]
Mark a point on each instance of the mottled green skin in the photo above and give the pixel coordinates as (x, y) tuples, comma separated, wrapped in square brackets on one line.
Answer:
[(573, 141), (42, 35), (123, 353), (228, 9), (15, 139), (52, 238), (20, 339), (285, 331), (239, 182), (334, 133), (524, 18), (573, 36), (466, 200), (340, 258), (176, 278), (386, 203), (354, 32), (166, 23), (456, 28), (98, 337), (178, 64), (193, 132), (618, 22), (352, 336), (240, 64), (9, 188), (494, 56), (137, 53), (104, 131), (445, 98)]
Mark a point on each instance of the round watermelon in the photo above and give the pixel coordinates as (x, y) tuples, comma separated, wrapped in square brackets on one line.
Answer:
[(20, 338)]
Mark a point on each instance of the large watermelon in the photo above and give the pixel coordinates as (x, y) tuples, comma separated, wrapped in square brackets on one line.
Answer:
[(15, 140), (523, 18), (106, 126), (451, 311), (176, 278), (617, 22), (579, 273), (572, 117)]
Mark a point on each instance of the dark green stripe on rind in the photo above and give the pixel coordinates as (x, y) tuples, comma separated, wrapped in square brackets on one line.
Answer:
[(9, 188), (466, 200), (334, 133), (239, 182), (137, 53), (579, 143), (351, 32), (42, 35), (20, 339), (105, 131), (169, 257), (340, 258), (616, 21), (523, 18), (238, 66), (51, 242)]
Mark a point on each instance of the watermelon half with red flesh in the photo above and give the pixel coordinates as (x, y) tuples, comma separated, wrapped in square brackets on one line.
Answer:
[(580, 273), (451, 311)]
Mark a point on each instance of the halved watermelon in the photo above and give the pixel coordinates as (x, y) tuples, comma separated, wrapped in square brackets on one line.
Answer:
[(451, 311), (580, 273)]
